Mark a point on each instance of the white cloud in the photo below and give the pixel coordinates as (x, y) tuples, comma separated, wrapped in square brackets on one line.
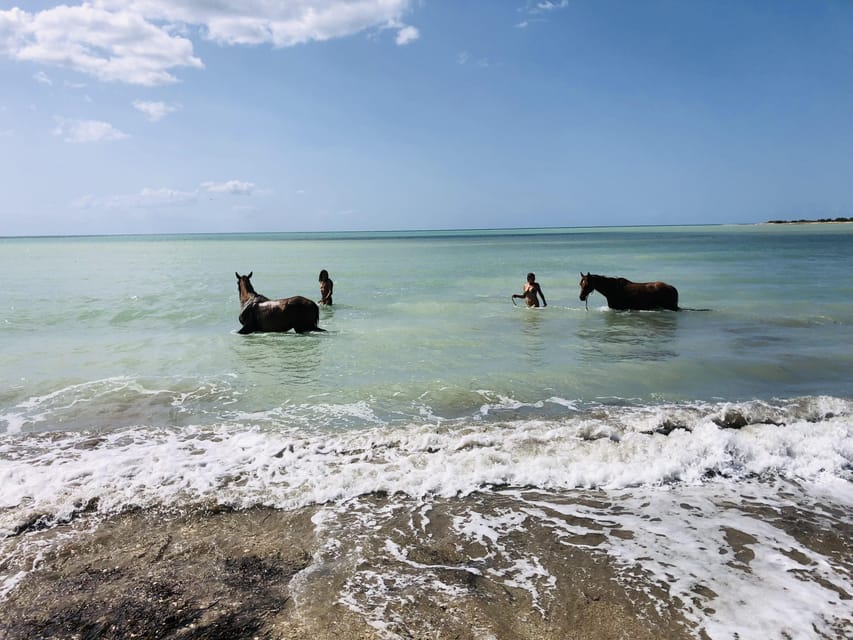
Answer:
[(41, 78), (233, 187), (143, 41), (407, 34), (281, 24), (155, 111), (113, 45), (462, 57), (87, 131)]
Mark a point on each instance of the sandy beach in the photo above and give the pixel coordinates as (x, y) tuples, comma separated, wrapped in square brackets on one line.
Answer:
[(262, 574)]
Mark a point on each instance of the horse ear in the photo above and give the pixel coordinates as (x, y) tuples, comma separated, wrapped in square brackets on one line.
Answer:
[(237, 274), (250, 274), (581, 274)]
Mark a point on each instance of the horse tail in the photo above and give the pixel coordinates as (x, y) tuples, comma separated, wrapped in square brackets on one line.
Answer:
[(675, 306)]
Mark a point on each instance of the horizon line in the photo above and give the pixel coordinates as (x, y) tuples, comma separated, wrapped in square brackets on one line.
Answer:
[(371, 231)]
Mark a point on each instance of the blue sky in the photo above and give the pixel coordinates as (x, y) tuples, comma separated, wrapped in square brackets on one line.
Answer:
[(146, 116)]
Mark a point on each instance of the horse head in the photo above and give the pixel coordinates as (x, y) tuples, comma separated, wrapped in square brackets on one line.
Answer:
[(244, 287), (586, 286)]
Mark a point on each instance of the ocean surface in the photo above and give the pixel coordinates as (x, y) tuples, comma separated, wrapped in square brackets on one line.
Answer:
[(124, 384)]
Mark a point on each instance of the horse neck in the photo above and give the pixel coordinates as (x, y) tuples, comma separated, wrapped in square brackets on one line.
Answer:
[(603, 284), (246, 293)]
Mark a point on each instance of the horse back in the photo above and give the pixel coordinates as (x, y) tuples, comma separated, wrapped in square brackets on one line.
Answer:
[(651, 295), (297, 312)]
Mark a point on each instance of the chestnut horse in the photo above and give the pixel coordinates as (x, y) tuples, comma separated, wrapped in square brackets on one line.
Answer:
[(259, 313), (624, 294)]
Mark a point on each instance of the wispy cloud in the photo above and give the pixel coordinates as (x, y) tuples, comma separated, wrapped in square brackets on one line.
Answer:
[(550, 5), (146, 199), (537, 11), (155, 111), (41, 78), (144, 41), (165, 197), (463, 58), (79, 131)]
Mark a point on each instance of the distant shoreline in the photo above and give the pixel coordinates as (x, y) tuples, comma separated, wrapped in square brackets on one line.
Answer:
[(818, 221)]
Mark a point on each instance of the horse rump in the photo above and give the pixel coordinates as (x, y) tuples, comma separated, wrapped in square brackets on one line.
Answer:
[(306, 314)]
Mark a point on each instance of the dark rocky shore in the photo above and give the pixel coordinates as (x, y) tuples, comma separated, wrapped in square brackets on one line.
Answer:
[(222, 574)]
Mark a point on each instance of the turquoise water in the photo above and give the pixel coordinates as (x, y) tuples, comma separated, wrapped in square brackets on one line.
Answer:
[(124, 384), (422, 320)]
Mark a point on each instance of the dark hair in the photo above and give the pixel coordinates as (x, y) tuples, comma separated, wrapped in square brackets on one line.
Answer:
[(324, 275), (531, 276)]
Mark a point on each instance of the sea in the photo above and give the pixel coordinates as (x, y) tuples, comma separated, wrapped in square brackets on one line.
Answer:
[(709, 450)]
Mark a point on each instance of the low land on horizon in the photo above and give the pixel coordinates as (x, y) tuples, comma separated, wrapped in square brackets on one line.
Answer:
[(805, 221)]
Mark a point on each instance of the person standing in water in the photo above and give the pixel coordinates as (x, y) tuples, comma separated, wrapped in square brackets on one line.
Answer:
[(531, 291), (326, 286)]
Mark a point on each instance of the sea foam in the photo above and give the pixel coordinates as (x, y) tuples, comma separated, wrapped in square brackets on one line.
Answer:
[(240, 465)]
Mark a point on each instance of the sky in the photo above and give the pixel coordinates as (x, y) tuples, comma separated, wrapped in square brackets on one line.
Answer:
[(207, 116)]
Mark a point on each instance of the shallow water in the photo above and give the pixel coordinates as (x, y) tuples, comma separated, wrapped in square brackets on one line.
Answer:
[(124, 381)]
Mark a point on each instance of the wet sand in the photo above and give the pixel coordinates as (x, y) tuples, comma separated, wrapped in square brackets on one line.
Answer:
[(265, 573)]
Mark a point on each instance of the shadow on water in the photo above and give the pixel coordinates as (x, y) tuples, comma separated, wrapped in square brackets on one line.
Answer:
[(289, 357), (628, 335)]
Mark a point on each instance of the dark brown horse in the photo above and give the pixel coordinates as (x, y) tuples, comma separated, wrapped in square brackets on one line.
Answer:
[(259, 313), (624, 294)]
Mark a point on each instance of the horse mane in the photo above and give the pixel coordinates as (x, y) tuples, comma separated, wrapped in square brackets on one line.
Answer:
[(621, 281)]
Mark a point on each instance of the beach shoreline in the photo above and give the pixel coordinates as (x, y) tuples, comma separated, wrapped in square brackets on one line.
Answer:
[(259, 573)]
